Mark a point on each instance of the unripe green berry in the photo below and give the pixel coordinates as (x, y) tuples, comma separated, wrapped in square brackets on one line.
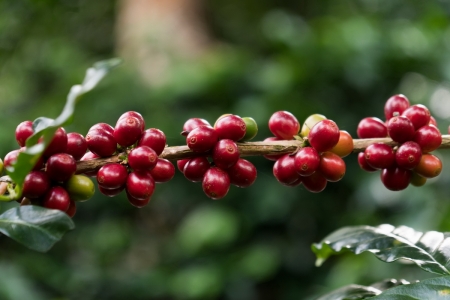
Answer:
[(251, 128), (80, 188)]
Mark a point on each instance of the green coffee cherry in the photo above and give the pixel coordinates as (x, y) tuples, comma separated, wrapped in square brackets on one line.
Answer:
[(252, 128), (310, 122), (80, 188), (1, 166)]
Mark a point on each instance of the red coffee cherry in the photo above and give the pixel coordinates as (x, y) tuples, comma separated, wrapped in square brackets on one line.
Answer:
[(371, 128), (225, 154), (230, 127), (138, 202), (128, 131), (89, 156), (142, 158), (363, 163), (400, 129), (163, 171), (202, 139), (153, 138), (136, 115), (242, 174), (332, 166), (76, 145), (110, 192), (418, 114), (61, 166), (408, 155), (428, 137), (100, 140), (284, 125), (396, 179), (379, 156), (315, 183), (181, 163), (140, 185), (10, 158), (36, 184), (306, 161), (324, 135), (23, 131), (396, 104), (216, 183), (429, 166), (57, 198), (285, 170), (433, 121), (72, 209), (296, 183), (193, 123), (58, 143), (112, 176), (195, 168), (273, 157)]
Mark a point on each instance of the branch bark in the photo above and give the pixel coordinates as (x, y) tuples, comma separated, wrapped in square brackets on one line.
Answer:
[(246, 149)]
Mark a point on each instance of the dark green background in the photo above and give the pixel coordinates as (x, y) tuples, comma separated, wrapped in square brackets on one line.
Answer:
[(342, 59)]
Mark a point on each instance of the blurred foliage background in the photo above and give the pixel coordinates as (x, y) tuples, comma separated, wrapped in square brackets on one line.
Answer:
[(251, 58)]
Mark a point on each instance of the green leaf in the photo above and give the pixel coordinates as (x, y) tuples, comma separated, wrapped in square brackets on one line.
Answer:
[(353, 291), (357, 292), (429, 250), (45, 128), (433, 288), (35, 227)]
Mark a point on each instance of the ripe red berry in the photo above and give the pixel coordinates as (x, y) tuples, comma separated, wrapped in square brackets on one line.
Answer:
[(136, 115), (216, 183), (314, 183), (230, 127), (57, 198), (379, 156), (306, 161), (140, 185), (110, 192), (408, 155), (371, 128), (181, 163), (89, 156), (163, 171), (395, 178), (332, 166), (400, 129), (428, 137), (242, 174), (36, 184), (60, 166), (363, 163), (284, 125), (153, 138), (433, 121), (72, 209), (195, 168), (139, 203), (429, 166), (396, 104), (285, 170), (418, 114), (128, 131), (193, 123), (100, 140), (58, 143), (142, 158), (23, 131), (324, 135), (10, 158), (225, 153), (112, 176), (202, 139), (76, 145)]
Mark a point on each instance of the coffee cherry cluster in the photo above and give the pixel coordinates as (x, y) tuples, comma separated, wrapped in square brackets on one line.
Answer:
[(225, 166), (52, 183), (416, 133), (319, 161), (141, 167)]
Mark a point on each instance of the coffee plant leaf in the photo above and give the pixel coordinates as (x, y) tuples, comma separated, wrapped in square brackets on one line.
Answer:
[(35, 227), (428, 250)]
